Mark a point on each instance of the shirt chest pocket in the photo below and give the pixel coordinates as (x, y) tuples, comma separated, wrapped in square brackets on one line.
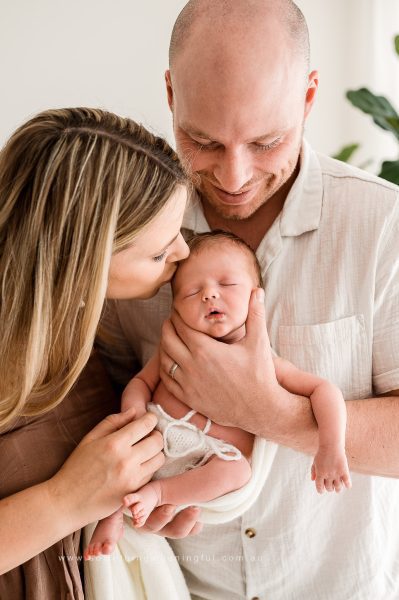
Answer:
[(336, 351)]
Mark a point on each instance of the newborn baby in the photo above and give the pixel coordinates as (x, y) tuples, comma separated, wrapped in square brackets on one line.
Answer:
[(204, 460)]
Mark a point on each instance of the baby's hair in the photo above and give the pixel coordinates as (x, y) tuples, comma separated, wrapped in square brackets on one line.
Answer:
[(198, 241)]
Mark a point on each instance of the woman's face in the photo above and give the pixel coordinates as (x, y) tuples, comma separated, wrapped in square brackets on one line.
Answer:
[(140, 270)]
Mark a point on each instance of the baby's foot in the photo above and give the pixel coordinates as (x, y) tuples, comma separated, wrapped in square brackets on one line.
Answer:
[(143, 502), (107, 532)]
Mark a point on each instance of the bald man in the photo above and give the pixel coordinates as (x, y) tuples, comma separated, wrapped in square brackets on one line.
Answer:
[(327, 238)]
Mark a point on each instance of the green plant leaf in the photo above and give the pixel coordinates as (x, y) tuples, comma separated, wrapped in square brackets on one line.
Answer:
[(397, 44), (390, 171), (346, 152), (383, 113)]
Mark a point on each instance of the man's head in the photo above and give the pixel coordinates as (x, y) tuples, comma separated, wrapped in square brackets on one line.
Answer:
[(212, 287), (239, 90)]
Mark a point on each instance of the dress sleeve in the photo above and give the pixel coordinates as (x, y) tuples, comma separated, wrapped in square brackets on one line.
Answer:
[(112, 343)]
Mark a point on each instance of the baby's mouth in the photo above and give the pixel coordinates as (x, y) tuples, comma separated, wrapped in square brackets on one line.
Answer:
[(214, 314)]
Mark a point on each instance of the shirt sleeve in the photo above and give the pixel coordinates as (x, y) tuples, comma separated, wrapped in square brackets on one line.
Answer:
[(386, 309), (113, 345)]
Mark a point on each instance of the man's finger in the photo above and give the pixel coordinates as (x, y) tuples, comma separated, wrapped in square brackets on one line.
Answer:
[(172, 385), (188, 336), (159, 517), (171, 344), (256, 332), (165, 524)]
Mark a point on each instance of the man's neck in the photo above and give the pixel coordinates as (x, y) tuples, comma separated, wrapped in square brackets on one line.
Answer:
[(253, 229)]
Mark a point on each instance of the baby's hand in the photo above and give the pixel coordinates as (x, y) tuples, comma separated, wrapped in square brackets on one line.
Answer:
[(330, 470)]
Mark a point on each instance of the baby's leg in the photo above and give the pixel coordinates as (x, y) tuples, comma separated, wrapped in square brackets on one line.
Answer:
[(215, 478), (107, 532)]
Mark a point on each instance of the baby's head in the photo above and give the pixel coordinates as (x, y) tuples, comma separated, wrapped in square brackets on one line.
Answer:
[(212, 287)]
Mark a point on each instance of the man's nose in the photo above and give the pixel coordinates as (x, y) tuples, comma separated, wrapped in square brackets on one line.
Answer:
[(233, 169)]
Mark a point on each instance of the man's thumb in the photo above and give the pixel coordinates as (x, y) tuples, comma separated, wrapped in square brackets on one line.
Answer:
[(256, 320)]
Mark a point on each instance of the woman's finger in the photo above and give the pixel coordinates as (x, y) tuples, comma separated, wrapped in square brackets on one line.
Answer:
[(153, 464), (110, 424), (136, 430), (148, 447)]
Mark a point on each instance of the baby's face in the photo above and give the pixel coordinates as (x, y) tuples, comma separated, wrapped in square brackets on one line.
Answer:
[(212, 289)]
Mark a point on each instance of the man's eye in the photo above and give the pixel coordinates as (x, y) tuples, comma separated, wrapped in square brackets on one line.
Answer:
[(160, 257), (265, 147), (205, 145)]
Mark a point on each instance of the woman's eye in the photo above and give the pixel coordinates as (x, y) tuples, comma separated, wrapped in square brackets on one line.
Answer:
[(160, 257)]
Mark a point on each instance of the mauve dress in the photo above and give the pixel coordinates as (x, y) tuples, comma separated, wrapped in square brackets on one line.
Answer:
[(31, 453)]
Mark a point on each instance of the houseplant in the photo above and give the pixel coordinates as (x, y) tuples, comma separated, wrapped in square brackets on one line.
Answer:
[(384, 115)]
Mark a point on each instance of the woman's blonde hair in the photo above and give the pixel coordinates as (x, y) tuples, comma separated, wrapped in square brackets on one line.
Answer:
[(76, 185)]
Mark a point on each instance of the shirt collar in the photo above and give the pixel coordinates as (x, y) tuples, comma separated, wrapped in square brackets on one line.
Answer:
[(302, 208)]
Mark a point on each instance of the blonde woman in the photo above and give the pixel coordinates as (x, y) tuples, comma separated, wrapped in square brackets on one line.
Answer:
[(91, 206)]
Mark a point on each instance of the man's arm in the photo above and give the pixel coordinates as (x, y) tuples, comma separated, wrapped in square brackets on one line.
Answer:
[(246, 394)]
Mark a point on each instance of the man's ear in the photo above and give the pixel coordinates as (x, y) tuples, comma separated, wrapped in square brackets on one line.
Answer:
[(313, 84), (169, 89)]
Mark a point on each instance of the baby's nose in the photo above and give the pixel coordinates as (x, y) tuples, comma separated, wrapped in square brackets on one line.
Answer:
[(209, 295)]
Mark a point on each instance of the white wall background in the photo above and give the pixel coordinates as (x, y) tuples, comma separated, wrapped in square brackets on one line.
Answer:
[(57, 53)]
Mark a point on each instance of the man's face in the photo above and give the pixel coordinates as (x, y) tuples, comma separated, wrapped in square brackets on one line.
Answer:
[(239, 130)]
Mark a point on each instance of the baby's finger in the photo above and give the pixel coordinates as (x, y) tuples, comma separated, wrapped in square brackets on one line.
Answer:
[(337, 485), (313, 473), (320, 484), (328, 484), (346, 481)]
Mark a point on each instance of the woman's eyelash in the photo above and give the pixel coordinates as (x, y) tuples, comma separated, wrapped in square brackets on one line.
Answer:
[(160, 257)]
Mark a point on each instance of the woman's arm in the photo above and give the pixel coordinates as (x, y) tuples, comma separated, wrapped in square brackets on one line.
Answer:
[(90, 485)]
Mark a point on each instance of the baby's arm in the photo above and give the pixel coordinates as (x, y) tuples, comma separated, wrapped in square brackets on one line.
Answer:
[(139, 390), (330, 467)]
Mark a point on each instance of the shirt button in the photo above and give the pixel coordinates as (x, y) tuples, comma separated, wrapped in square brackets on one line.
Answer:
[(250, 533)]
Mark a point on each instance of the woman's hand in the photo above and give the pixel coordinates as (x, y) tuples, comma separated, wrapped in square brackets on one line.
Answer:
[(117, 457)]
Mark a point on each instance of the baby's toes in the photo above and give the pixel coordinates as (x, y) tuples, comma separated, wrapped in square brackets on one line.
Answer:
[(108, 547)]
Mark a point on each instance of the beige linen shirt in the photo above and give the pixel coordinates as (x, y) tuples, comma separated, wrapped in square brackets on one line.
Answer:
[(330, 264)]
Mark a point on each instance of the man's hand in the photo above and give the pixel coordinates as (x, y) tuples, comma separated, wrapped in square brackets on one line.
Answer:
[(233, 384), (163, 522)]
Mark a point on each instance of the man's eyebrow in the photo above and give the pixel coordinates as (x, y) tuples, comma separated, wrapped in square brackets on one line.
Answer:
[(169, 243), (194, 131), (206, 136)]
